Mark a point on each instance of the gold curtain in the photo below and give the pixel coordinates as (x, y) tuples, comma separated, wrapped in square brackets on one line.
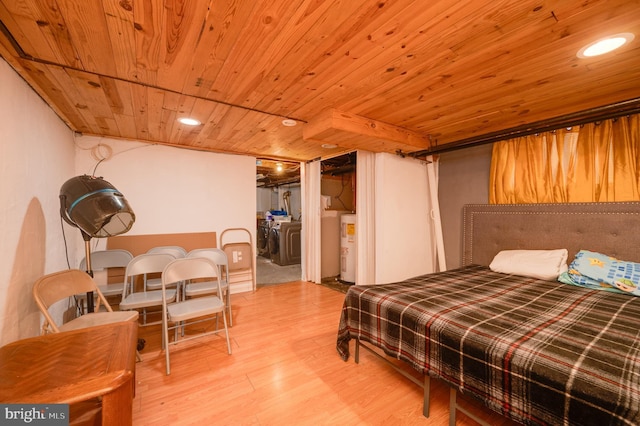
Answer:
[(596, 162)]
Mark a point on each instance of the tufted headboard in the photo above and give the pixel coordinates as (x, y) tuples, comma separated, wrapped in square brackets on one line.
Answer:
[(609, 228)]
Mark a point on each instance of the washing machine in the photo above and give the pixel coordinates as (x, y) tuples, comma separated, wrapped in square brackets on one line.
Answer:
[(285, 243), (263, 238), (274, 244)]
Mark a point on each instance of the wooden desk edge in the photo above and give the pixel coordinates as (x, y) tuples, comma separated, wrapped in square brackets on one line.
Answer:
[(98, 386), (69, 395)]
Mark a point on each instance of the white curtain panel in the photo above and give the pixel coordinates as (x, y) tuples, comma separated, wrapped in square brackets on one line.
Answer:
[(310, 177), (404, 240), (365, 218), (436, 224)]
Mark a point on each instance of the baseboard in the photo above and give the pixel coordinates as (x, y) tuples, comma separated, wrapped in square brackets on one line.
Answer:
[(241, 287)]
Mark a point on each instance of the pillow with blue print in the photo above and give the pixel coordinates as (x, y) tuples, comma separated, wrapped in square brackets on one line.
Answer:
[(602, 272)]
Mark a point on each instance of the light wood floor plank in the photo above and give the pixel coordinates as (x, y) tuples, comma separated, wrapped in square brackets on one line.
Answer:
[(284, 370)]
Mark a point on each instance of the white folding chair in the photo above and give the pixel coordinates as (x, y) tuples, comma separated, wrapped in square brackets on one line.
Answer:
[(176, 251), (154, 283), (190, 311), (240, 254), (219, 258), (108, 260), (139, 266)]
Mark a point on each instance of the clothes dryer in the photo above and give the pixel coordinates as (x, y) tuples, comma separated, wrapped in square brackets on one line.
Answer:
[(285, 243)]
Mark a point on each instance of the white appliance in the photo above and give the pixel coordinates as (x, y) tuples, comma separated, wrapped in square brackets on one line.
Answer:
[(330, 243), (348, 248)]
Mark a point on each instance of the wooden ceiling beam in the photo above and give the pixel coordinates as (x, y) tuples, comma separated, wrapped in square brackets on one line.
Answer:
[(352, 131)]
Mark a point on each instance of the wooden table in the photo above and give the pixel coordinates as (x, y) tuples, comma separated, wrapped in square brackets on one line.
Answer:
[(74, 366)]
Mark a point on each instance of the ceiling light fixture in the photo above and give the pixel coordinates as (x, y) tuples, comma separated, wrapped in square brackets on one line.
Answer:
[(605, 45), (279, 167), (329, 145), (189, 121), (289, 122)]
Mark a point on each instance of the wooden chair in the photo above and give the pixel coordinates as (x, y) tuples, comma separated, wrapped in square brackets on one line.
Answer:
[(62, 285)]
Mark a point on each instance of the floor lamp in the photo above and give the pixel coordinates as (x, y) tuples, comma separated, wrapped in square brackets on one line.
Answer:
[(99, 210)]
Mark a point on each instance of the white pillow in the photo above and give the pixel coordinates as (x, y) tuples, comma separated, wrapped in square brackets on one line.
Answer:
[(542, 264)]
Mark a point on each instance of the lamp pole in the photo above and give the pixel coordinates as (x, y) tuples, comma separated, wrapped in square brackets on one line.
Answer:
[(87, 256)]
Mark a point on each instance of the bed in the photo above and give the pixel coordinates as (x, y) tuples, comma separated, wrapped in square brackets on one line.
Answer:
[(539, 352)]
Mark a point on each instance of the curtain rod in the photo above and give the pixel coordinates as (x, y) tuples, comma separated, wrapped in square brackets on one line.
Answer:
[(619, 109)]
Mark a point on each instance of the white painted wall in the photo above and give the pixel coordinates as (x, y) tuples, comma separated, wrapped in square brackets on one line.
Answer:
[(36, 158), (404, 248), (271, 199), (264, 200), (173, 190), (295, 200)]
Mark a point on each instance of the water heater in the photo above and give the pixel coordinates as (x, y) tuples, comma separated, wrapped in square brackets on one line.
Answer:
[(348, 248)]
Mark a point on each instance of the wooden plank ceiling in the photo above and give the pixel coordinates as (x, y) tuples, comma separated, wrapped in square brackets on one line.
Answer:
[(378, 75)]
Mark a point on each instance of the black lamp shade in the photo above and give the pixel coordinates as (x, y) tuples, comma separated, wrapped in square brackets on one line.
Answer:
[(95, 206)]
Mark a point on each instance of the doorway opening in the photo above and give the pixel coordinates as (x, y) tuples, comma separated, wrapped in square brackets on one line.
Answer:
[(338, 189), (278, 222)]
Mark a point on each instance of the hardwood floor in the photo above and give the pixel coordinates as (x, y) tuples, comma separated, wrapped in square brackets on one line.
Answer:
[(284, 370)]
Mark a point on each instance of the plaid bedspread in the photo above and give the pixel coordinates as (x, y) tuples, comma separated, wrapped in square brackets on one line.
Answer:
[(536, 351)]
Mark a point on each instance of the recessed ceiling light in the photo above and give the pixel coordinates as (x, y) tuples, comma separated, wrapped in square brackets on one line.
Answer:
[(189, 121), (329, 145), (605, 45), (288, 122), (279, 167)]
